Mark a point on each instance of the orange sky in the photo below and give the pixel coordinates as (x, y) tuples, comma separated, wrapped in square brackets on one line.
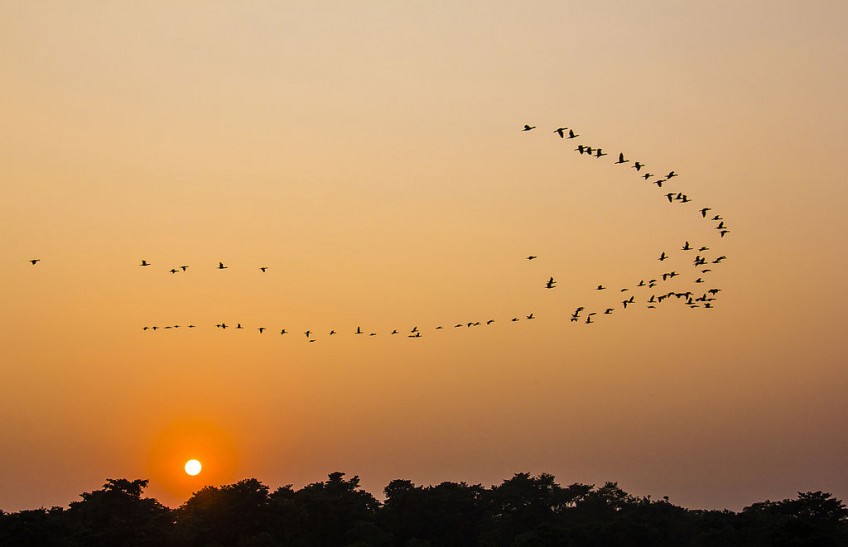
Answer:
[(371, 156)]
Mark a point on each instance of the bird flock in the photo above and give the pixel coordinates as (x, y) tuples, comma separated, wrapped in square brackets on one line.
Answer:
[(653, 291)]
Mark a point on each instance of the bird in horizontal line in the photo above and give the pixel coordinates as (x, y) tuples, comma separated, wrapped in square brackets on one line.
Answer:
[(704, 211), (624, 290), (532, 257), (560, 131), (531, 316), (439, 327), (638, 166), (686, 247), (724, 232), (490, 321), (717, 217), (190, 327), (671, 174), (35, 261), (600, 154), (144, 263), (589, 150), (663, 256), (608, 311), (416, 335), (261, 330), (238, 326), (703, 248), (572, 134), (173, 270), (719, 259), (528, 127), (550, 284), (646, 176), (670, 197), (600, 288), (659, 182), (621, 158), (394, 331), (183, 268), (641, 283), (580, 148), (514, 319), (221, 266)]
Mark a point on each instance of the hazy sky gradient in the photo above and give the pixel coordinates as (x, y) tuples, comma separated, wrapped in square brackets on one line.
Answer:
[(371, 155)]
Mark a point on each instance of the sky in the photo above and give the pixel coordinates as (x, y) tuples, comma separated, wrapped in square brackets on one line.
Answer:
[(371, 156)]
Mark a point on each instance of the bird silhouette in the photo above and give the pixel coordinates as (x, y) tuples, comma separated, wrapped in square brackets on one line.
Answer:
[(528, 127), (638, 166), (144, 263), (599, 154), (704, 211), (560, 131), (183, 268), (263, 268), (600, 288), (550, 284), (663, 256), (531, 316), (307, 333), (173, 270), (283, 331), (671, 174), (221, 266), (35, 261), (621, 158), (261, 330), (572, 134), (532, 257)]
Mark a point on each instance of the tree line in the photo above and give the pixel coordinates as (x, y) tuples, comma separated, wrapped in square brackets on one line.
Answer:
[(525, 510)]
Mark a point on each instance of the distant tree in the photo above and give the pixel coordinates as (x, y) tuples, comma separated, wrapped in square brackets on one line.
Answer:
[(117, 516), (336, 512), (226, 515), (813, 519), (446, 514), (41, 527)]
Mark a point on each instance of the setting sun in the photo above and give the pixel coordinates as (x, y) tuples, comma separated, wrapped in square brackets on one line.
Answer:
[(193, 467)]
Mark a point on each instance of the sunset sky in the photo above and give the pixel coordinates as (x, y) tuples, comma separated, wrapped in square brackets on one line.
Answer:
[(370, 154)]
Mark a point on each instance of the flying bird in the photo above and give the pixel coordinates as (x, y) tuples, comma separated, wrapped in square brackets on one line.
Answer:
[(572, 134), (638, 166), (621, 158), (550, 284), (144, 263), (528, 127), (221, 266), (35, 261), (599, 154), (560, 131), (531, 257), (263, 268)]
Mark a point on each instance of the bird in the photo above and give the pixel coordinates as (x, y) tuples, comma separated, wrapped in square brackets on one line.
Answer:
[(550, 284), (621, 158), (531, 316), (580, 148), (589, 150), (704, 211), (723, 232), (173, 270), (670, 195), (263, 268), (686, 246), (600, 288), (261, 330), (307, 333), (490, 321), (659, 182), (599, 154), (528, 127), (663, 256), (560, 131), (572, 134), (183, 268), (221, 266), (358, 330), (238, 326), (332, 332), (532, 257), (35, 261), (671, 174), (394, 331), (283, 331), (646, 176), (144, 263), (638, 166), (608, 311)]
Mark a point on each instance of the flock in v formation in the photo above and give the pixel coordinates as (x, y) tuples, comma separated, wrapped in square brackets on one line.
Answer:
[(651, 292)]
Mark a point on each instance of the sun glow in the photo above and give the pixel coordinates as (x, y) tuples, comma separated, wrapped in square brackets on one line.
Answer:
[(193, 467)]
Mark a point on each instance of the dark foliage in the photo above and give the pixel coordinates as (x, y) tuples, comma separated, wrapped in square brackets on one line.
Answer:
[(525, 510)]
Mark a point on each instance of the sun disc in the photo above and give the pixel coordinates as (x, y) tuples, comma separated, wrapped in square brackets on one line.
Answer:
[(193, 467)]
